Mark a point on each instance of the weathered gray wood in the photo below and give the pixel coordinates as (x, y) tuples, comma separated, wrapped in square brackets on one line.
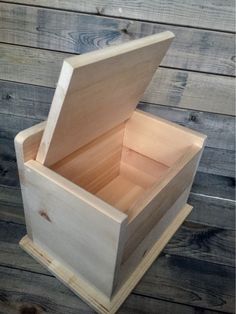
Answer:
[(212, 211), (213, 185), (32, 101), (11, 207), (171, 87), (205, 243), (10, 125), (32, 104), (160, 281), (192, 49), (192, 281), (218, 161), (204, 14), (26, 292), (192, 90), (25, 100)]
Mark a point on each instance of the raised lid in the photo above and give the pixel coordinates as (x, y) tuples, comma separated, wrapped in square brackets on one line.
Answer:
[(97, 91)]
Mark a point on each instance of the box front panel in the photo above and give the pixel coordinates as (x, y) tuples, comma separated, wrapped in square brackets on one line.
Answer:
[(73, 231)]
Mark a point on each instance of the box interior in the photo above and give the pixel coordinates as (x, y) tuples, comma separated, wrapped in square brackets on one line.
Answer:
[(122, 165)]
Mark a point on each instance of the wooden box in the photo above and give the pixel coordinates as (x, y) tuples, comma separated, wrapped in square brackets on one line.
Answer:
[(105, 185)]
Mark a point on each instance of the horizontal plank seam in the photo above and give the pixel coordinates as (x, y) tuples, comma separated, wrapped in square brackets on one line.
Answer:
[(196, 71), (37, 120), (121, 18), (214, 197), (178, 108), (180, 303), (77, 54)]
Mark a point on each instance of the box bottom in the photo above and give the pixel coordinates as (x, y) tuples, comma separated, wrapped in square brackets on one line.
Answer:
[(98, 301)]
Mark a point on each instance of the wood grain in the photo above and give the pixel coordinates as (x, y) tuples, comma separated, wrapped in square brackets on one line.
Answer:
[(192, 49), (30, 101), (86, 104), (201, 283), (212, 15), (171, 87), (203, 242), (193, 282), (212, 211), (213, 185), (45, 294)]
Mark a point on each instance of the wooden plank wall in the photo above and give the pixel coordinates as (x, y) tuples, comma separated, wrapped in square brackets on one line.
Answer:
[(194, 87)]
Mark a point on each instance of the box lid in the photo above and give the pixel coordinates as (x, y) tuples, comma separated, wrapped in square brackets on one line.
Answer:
[(97, 91)]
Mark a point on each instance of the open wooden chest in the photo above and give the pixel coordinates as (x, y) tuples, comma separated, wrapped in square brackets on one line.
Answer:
[(105, 185)]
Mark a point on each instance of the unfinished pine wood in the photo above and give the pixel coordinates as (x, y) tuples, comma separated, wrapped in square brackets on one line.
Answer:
[(141, 169), (156, 138), (212, 15), (87, 292), (114, 168), (95, 164), (121, 193), (143, 215), (26, 146), (132, 259), (92, 86), (75, 227)]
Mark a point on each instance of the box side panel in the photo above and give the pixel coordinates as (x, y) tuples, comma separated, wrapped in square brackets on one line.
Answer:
[(154, 235), (85, 239), (26, 147), (158, 205)]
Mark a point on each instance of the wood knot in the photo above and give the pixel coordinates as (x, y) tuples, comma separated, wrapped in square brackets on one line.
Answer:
[(8, 96), (44, 214), (192, 117), (100, 10)]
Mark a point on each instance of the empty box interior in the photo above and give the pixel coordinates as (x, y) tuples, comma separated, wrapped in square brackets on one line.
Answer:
[(123, 165)]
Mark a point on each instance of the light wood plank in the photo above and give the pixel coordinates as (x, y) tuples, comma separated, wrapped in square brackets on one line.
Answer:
[(93, 232), (155, 138), (92, 86), (212, 15), (192, 49), (85, 291), (169, 87), (96, 164)]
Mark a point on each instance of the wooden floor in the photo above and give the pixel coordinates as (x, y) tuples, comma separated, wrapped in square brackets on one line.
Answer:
[(193, 87)]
